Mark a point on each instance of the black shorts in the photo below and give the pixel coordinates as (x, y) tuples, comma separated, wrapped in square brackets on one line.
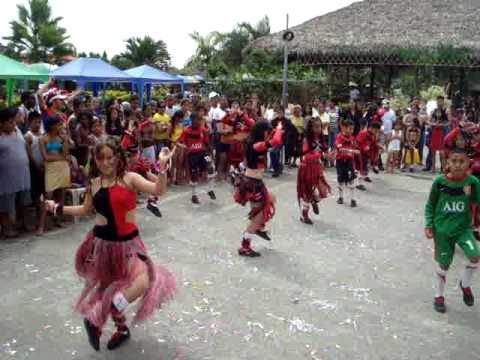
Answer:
[(345, 171), (198, 163), (222, 147), (38, 183)]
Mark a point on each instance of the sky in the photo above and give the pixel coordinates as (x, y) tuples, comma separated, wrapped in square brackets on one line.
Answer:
[(98, 25)]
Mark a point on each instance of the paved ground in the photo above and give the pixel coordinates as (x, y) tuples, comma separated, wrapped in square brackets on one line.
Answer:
[(356, 285)]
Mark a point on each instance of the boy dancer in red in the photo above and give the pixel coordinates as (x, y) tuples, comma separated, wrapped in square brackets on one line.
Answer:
[(367, 141), (346, 151), (196, 140)]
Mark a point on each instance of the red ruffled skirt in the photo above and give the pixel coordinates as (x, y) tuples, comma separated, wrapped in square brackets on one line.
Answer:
[(254, 191), (311, 180), (111, 266)]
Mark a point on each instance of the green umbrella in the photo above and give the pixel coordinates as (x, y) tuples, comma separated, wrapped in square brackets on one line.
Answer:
[(12, 70)]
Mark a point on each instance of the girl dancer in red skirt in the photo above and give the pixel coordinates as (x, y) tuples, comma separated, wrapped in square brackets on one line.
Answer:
[(311, 183), (113, 259), (249, 186)]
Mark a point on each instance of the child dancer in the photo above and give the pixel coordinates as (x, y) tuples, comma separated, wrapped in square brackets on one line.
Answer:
[(249, 187), (141, 165), (311, 183), (395, 147), (196, 141), (346, 151), (369, 152), (448, 220), (412, 144), (113, 259), (239, 126)]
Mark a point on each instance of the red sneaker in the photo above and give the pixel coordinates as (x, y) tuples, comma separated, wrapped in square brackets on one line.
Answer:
[(248, 252), (439, 304), (468, 298), (118, 338)]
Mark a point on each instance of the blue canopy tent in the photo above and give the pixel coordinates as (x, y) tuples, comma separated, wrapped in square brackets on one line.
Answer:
[(145, 75), (83, 70), (192, 79)]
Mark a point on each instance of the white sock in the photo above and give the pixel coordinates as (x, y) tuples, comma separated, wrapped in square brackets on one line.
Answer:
[(304, 206), (120, 302), (211, 181), (470, 269), (340, 190), (194, 188), (351, 192), (440, 280)]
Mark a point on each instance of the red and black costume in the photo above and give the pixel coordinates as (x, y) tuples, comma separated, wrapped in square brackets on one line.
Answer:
[(369, 151), (111, 258), (345, 145), (197, 143), (249, 187), (254, 190), (241, 125), (311, 183)]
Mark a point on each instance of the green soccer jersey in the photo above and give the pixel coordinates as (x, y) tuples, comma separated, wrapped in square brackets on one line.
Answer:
[(448, 207)]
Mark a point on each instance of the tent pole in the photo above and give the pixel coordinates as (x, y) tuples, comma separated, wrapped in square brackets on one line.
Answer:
[(10, 89)]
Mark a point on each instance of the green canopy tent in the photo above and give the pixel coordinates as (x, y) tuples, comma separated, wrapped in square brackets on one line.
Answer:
[(12, 70)]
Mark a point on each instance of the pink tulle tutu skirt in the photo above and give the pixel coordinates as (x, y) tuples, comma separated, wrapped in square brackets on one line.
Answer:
[(111, 266)]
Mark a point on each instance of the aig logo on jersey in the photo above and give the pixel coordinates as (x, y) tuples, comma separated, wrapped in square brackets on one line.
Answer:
[(454, 207)]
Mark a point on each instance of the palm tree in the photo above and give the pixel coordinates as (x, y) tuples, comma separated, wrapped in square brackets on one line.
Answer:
[(36, 36), (262, 28), (146, 50), (208, 50)]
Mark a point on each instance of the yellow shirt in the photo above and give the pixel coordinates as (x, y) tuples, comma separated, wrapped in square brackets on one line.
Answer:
[(160, 120), (176, 133), (298, 122)]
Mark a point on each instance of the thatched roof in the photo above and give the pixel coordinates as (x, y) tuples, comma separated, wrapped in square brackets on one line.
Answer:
[(383, 31)]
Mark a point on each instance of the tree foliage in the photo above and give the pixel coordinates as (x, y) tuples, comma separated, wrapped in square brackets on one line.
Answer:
[(36, 35), (219, 54), (140, 51)]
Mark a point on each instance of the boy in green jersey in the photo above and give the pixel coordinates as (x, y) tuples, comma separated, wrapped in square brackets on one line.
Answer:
[(448, 220)]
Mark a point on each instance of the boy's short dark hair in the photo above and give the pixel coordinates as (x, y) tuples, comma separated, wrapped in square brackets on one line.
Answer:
[(374, 125), (440, 97), (346, 123), (25, 96), (457, 150), (33, 115)]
